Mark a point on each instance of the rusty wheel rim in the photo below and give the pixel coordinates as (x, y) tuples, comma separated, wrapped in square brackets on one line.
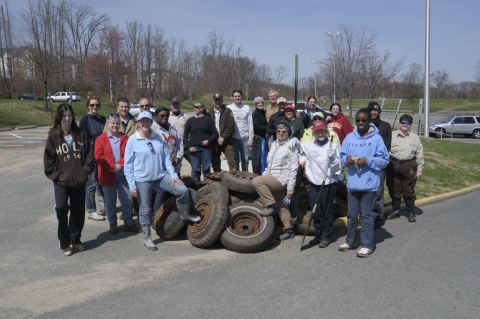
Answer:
[(164, 211), (202, 209), (245, 224)]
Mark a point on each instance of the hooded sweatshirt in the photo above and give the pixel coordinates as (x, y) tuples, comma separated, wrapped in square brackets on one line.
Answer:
[(370, 146), (341, 125)]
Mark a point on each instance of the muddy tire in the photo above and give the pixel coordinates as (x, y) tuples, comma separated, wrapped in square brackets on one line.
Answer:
[(237, 197), (302, 227), (246, 230), (167, 221), (239, 181), (213, 210), (300, 207)]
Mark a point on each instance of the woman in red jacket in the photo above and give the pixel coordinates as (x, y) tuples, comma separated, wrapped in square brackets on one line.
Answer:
[(340, 124), (109, 153)]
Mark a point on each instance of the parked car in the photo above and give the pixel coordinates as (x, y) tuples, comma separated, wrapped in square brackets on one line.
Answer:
[(468, 125), (300, 106), (65, 97), (28, 96), (134, 109)]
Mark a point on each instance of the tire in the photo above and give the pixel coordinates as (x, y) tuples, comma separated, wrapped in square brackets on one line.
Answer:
[(300, 207), (167, 221), (341, 207), (301, 229), (246, 230), (239, 181), (188, 181), (439, 132), (198, 186), (237, 197), (476, 134), (215, 177), (213, 208)]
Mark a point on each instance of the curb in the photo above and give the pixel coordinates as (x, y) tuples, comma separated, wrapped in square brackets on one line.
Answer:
[(342, 221), (4, 129), (25, 127)]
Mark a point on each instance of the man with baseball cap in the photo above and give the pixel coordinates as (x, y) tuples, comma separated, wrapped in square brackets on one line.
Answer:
[(178, 119), (277, 117), (225, 124), (385, 132)]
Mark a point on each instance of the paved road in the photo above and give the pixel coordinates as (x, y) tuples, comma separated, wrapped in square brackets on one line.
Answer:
[(427, 269)]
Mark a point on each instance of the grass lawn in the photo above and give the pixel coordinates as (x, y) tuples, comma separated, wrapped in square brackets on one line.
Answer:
[(449, 166)]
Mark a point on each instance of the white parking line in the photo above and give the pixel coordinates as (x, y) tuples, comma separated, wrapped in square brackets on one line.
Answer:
[(16, 135)]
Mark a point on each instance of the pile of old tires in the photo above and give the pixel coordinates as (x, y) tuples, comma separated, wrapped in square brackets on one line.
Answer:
[(229, 207)]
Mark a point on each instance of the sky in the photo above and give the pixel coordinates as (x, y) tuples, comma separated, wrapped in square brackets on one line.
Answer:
[(272, 32)]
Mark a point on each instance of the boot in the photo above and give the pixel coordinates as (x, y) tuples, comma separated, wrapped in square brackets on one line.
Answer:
[(395, 208), (113, 228), (148, 243), (410, 211), (184, 210)]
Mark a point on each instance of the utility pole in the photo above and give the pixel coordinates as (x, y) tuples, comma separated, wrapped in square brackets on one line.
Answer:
[(314, 75), (334, 39)]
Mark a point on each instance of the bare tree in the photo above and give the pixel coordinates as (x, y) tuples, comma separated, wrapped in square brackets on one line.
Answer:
[(280, 73), (350, 51), (476, 75), (412, 83), (440, 79), (43, 24)]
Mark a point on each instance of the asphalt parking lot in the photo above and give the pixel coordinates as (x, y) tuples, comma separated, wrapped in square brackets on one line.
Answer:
[(427, 269)]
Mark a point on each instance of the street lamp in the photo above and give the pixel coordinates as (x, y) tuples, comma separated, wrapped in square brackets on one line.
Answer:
[(315, 77), (334, 39)]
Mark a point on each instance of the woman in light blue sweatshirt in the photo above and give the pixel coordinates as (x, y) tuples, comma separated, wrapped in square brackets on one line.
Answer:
[(365, 154), (148, 166)]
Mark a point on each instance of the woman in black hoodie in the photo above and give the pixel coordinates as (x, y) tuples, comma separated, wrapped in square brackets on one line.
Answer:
[(259, 130), (68, 160)]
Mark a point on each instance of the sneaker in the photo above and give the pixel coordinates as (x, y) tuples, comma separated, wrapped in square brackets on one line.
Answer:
[(324, 243), (113, 229), (131, 229), (315, 241), (68, 251), (378, 223), (286, 235), (344, 247), (78, 246), (394, 215), (364, 252), (267, 211), (96, 216)]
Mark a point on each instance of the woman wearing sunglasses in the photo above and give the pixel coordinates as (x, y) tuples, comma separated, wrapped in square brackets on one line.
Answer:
[(93, 123), (365, 155), (406, 165), (147, 167), (109, 153)]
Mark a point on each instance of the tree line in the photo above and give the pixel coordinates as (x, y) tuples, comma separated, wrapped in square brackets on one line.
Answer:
[(67, 46)]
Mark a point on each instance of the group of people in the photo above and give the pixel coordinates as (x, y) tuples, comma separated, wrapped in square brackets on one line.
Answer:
[(139, 159)]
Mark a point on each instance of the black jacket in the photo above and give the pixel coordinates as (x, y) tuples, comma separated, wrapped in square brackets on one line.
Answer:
[(65, 165), (274, 119), (259, 122), (385, 131)]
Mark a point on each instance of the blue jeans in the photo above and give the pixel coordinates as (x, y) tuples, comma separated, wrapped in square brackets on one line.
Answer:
[(120, 186), (241, 149), (360, 202), (257, 155), (378, 198), (324, 214), (145, 189), (91, 187), (201, 160)]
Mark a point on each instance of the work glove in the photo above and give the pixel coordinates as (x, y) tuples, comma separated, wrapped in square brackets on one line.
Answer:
[(330, 153), (286, 201)]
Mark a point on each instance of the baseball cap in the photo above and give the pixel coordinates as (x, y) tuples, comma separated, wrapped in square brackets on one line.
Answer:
[(281, 99), (143, 115), (319, 126), (174, 100), (217, 96), (290, 107)]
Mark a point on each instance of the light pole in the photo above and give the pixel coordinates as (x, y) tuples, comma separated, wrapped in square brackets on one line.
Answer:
[(314, 75), (334, 39)]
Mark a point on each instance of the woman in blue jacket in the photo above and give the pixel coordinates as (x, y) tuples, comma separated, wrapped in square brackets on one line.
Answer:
[(365, 155)]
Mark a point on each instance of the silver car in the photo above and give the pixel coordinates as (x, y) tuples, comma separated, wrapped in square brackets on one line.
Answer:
[(468, 125), (134, 109)]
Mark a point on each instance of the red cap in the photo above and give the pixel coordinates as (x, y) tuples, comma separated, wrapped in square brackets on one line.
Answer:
[(289, 107), (319, 126)]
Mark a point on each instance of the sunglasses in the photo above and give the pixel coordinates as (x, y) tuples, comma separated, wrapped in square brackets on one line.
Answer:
[(281, 132), (197, 107), (163, 116), (406, 123), (93, 105), (143, 106), (361, 120), (150, 147)]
